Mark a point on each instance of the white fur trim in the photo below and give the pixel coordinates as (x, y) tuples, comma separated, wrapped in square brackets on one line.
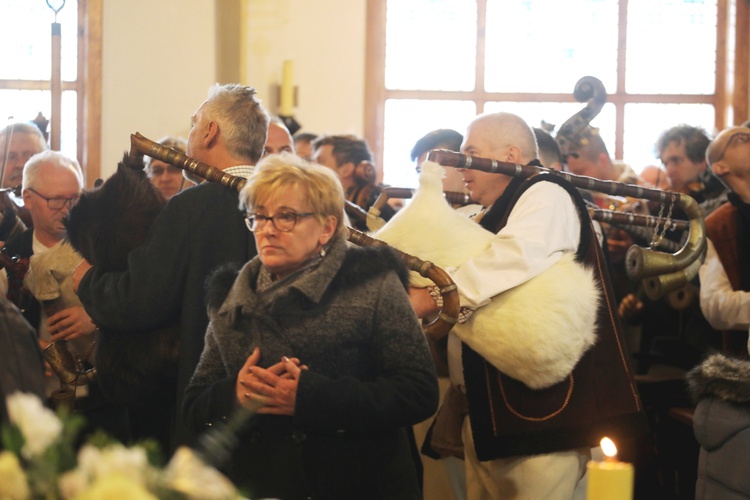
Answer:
[(537, 331), (430, 229)]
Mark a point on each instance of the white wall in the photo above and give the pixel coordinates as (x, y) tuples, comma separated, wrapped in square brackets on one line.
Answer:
[(326, 43), (159, 60)]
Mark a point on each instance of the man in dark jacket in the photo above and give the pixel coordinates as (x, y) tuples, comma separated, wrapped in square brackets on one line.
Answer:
[(199, 230)]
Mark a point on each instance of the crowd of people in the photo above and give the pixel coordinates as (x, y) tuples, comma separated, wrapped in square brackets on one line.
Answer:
[(277, 314)]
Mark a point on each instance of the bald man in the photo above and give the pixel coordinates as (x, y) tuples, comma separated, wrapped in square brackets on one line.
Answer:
[(725, 274), (279, 139), (513, 448)]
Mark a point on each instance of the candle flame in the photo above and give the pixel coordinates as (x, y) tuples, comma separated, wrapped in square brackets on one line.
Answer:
[(608, 447)]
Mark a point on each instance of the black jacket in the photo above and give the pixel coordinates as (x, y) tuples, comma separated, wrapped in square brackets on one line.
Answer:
[(199, 230)]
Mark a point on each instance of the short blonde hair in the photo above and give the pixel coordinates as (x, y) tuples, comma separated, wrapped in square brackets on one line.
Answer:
[(320, 186)]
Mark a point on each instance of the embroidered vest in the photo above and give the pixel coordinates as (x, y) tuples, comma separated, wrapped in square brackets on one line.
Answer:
[(721, 228)]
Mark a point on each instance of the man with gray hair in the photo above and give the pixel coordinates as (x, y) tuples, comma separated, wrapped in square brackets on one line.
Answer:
[(521, 438), (18, 143), (52, 184), (199, 230)]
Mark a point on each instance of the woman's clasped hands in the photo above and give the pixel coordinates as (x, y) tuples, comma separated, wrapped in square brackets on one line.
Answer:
[(272, 390)]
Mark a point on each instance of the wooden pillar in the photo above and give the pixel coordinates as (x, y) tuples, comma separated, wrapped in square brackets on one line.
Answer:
[(56, 87)]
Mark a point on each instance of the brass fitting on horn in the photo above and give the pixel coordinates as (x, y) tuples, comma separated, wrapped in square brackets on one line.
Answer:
[(657, 287), (66, 367), (678, 268)]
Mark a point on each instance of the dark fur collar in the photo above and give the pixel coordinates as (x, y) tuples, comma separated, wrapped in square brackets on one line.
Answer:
[(721, 377), (364, 263), (359, 265)]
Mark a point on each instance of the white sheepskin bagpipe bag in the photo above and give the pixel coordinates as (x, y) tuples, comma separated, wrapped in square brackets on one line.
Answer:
[(50, 279), (535, 332)]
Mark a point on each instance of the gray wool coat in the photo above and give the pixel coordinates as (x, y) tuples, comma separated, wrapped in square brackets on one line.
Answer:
[(721, 387), (370, 376)]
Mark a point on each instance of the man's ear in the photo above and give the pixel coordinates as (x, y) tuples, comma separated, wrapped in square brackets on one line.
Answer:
[(514, 154), (719, 168), (210, 134), (26, 198)]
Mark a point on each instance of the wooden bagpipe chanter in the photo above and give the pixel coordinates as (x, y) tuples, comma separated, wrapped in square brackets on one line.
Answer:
[(661, 272)]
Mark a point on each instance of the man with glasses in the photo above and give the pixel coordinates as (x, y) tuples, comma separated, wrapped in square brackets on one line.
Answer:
[(722, 412), (199, 230), (18, 143), (51, 185), (725, 274)]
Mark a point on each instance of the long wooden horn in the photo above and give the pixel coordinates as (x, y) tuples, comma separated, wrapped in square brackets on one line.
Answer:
[(640, 262), (438, 328)]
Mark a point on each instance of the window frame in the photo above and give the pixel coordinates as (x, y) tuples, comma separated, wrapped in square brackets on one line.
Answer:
[(88, 87), (730, 98)]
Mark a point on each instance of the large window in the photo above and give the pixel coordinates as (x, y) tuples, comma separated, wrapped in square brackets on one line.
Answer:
[(26, 69), (437, 63)]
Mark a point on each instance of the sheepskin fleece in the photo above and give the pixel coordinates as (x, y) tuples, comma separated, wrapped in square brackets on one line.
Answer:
[(50, 278), (50, 274), (430, 229), (536, 332)]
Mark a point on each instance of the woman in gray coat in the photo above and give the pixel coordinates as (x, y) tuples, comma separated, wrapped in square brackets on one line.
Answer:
[(321, 336), (721, 387)]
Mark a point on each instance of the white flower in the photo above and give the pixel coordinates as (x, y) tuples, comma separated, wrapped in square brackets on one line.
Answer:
[(128, 462), (189, 475), (116, 485), (73, 483), (39, 426), (114, 462), (13, 484)]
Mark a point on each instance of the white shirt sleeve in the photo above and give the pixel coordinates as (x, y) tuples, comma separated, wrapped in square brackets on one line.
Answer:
[(723, 307), (542, 227)]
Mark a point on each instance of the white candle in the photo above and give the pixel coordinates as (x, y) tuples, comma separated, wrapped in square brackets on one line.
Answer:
[(287, 89)]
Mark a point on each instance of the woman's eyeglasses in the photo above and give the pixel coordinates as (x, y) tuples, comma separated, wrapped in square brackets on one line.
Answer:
[(283, 221)]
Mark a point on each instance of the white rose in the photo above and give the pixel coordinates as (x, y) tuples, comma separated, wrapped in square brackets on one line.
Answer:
[(73, 483), (116, 485), (127, 462), (39, 425), (13, 485), (189, 475)]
